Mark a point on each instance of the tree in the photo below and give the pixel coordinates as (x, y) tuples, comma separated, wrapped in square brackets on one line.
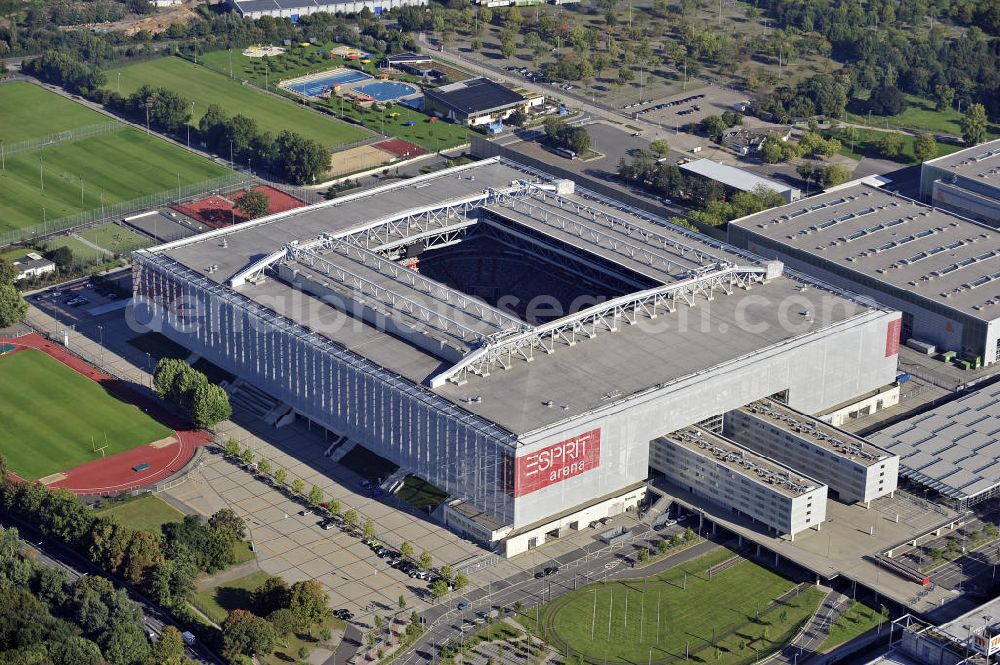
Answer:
[(890, 145), (298, 486), (253, 204), (439, 588), (271, 596), (315, 495), (974, 124), (281, 476), (446, 572), (247, 634), (13, 308), (577, 139), (227, 519), (642, 555), (461, 581), (299, 160), (61, 256), (143, 554), (835, 174), (210, 405), (309, 602), (284, 621), (232, 445), (887, 100), (518, 117), (166, 374), (662, 545), (401, 602), (368, 529), (406, 549), (944, 96), (689, 534), (351, 518), (714, 127), (425, 561), (659, 147), (333, 506), (925, 147), (169, 649)]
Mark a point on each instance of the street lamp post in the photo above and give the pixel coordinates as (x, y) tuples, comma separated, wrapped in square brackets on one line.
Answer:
[(100, 331)]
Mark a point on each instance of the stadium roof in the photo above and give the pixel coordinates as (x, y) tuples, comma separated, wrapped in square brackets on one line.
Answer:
[(882, 237), (476, 95), (954, 448), (426, 332), (981, 162), (733, 177)]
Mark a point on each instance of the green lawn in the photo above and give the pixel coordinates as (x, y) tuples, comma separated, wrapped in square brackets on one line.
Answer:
[(115, 238), (217, 602), (148, 513), (288, 648), (865, 144), (83, 254), (53, 417), (856, 621), (78, 176), (31, 111), (433, 136), (668, 613), (204, 87), (920, 115)]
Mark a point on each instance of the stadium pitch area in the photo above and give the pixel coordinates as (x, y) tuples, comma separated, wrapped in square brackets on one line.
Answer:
[(733, 615), (80, 171), (54, 417), (204, 87)]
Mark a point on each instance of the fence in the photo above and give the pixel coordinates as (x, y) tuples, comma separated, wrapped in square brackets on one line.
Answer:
[(111, 212), (27, 145)]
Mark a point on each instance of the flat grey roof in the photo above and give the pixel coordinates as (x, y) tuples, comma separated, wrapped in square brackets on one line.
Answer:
[(954, 448), (593, 374), (833, 440), (904, 244), (743, 461), (731, 176), (981, 162)]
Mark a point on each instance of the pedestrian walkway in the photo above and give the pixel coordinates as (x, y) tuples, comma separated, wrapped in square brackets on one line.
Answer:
[(806, 644)]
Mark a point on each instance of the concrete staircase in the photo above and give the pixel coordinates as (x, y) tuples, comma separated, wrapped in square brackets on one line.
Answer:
[(246, 397)]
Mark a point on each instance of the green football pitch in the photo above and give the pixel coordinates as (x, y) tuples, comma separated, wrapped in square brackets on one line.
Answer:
[(83, 174), (54, 417), (204, 87), (681, 609), (30, 111)]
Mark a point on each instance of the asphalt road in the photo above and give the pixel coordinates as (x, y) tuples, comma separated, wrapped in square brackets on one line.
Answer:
[(56, 555)]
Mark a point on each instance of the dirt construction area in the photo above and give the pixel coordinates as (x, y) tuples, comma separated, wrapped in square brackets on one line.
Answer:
[(361, 158)]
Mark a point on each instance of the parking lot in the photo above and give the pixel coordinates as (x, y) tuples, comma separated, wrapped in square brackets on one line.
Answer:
[(689, 107)]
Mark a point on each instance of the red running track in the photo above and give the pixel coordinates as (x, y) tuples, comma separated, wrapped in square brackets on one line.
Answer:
[(114, 474)]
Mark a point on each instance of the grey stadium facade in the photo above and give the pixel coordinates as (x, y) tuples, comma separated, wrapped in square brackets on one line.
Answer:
[(507, 336)]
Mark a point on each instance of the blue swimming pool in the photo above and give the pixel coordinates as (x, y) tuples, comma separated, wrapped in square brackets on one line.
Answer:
[(316, 86), (385, 91)]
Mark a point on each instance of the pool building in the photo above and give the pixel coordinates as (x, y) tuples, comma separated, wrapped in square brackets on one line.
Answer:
[(477, 101)]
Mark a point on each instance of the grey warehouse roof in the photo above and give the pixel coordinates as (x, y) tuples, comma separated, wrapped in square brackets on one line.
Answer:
[(592, 374), (886, 238), (271, 5), (981, 162), (731, 176), (955, 448)]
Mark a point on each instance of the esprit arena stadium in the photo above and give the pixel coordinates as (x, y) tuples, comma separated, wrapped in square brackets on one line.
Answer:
[(509, 337)]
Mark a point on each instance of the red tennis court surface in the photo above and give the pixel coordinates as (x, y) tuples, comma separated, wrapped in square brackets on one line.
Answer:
[(400, 148), (217, 211), (114, 474)]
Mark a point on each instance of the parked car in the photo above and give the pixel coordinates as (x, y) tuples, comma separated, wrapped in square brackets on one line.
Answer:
[(463, 606), (305, 512)]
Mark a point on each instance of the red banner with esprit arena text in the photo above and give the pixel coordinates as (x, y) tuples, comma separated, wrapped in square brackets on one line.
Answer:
[(558, 462)]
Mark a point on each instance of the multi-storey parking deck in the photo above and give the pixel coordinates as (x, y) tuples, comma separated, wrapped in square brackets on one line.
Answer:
[(740, 479), (531, 426), (851, 466)]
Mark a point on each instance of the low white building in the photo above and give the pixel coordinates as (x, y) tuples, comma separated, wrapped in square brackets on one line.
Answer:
[(32, 265), (733, 476), (293, 9), (858, 471)]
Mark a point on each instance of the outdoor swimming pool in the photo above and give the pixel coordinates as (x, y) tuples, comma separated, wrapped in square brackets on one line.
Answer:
[(315, 85), (385, 91)]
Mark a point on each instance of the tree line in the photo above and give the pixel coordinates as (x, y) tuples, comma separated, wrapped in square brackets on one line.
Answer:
[(163, 565), (46, 618)]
